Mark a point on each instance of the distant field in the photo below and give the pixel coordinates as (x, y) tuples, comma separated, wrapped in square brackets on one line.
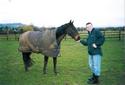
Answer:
[(72, 65)]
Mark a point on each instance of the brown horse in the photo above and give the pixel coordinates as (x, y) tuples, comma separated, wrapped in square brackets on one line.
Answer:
[(46, 42)]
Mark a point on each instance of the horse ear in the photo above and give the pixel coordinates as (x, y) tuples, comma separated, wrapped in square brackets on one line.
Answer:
[(71, 21)]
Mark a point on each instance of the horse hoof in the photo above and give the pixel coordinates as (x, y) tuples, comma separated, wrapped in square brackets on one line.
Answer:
[(56, 73), (44, 73), (26, 69)]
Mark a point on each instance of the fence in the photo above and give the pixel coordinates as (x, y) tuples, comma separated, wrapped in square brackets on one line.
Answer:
[(9, 36), (118, 34), (109, 35), (114, 34)]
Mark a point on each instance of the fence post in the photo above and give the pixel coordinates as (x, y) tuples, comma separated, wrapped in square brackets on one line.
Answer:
[(7, 34), (65, 37), (15, 34), (104, 32), (119, 34)]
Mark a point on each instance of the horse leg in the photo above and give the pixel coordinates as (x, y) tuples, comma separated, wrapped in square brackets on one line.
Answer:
[(45, 64), (27, 60), (54, 63)]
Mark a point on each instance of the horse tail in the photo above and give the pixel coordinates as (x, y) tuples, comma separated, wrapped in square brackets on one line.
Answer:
[(27, 60)]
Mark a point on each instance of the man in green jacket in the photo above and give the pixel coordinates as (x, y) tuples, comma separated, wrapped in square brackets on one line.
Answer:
[(94, 42)]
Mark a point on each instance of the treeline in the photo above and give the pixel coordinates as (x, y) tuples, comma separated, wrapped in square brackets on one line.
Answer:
[(24, 28), (122, 28), (12, 30)]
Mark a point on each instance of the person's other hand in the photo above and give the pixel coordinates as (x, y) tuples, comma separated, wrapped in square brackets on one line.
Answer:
[(94, 45), (78, 41)]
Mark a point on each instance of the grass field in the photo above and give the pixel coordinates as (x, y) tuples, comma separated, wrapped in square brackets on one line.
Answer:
[(72, 65)]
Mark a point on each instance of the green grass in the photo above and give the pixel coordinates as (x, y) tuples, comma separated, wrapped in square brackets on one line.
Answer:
[(72, 65)]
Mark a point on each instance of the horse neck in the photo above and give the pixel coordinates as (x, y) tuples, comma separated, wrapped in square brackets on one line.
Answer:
[(60, 34), (60, 38)]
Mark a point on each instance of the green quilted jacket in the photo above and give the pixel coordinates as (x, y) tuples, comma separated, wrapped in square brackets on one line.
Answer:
[(95, 36)]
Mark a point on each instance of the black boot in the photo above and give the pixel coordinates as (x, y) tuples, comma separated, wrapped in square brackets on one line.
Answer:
[(94, 80), (91, 78)]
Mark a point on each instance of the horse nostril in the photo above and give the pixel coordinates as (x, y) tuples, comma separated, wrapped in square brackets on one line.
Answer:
[(77, 38)]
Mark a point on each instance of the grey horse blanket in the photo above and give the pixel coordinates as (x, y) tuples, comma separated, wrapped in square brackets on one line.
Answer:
[(43, 41)]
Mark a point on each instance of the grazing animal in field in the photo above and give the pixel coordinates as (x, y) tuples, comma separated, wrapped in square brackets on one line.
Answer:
[(46, 42)]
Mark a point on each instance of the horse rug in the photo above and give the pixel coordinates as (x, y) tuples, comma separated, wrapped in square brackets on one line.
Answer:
[(40, 42)]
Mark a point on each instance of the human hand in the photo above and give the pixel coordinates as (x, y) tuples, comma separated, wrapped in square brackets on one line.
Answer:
[(94, 45), (78, 41)]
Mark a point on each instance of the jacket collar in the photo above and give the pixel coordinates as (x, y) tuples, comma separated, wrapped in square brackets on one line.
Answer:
[(91, 31)]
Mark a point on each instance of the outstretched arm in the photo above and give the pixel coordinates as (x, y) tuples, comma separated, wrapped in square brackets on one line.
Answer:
[(83, 42)]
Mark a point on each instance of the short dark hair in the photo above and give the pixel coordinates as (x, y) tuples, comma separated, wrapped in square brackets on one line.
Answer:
[(88, 23)]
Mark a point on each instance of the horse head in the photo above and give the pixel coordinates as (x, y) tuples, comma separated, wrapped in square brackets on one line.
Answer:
[(72, 31)]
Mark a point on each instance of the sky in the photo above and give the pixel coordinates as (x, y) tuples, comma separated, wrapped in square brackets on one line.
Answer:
[(102, 13)]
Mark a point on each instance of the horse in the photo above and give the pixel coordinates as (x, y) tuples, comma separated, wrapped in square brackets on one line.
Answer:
[(60, 33)]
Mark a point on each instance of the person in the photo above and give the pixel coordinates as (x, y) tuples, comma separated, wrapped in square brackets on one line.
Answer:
[(94, 42)]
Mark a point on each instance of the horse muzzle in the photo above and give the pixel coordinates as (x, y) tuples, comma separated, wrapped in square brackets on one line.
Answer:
[(77, 37)]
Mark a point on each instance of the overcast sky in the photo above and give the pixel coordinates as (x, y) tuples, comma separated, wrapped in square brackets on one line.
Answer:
[(58, 12)]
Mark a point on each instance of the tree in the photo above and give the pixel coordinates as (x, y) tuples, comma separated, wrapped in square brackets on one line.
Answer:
[(26, 28)]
